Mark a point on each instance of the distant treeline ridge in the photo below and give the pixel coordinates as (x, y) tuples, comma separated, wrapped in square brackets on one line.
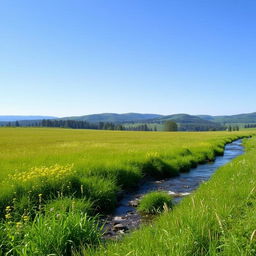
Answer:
[(250, 126), (73, 124)]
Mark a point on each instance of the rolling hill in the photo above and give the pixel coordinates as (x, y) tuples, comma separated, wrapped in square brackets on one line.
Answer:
[(184, 118), (189, 122), (179, 118), (185, 122), (114, 118), (241, 118)]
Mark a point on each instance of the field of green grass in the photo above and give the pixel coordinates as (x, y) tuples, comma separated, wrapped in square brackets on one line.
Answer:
[(54, 182)]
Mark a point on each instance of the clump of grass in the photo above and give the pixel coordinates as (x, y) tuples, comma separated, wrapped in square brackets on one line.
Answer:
[(156, 167), (103, 192), (126, 176), (68, 204), (50, 234), (155, 202)]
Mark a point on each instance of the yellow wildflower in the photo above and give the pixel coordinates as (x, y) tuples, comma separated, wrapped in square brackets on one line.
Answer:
[(25, 218), (8, 216)]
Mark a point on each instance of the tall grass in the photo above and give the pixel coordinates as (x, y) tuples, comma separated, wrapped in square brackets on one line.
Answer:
[(155, 202), (56, 233)]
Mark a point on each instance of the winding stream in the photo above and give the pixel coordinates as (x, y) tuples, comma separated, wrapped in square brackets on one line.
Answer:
[(127, 218)]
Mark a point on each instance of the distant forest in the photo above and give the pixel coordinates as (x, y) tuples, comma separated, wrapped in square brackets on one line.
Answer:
[(250, 126), (78, 124), (73, 124)]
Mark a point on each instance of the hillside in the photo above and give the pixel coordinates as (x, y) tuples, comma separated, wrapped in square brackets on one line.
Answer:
[(185, 122), (190, 122), (113, 117), (206, 117), (184, 118), (241, 118), (179, 118)]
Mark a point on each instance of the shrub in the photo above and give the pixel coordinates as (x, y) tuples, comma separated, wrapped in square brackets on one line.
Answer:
[(154, 202)]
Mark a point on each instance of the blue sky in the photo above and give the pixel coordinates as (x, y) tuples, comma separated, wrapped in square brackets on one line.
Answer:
[(60, 57)]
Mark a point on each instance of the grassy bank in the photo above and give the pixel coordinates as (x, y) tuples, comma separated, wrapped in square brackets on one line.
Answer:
[(63, 176), (218, 219)]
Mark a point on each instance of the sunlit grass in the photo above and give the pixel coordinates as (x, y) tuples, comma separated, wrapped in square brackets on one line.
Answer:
[(155, 202), (76, 173)]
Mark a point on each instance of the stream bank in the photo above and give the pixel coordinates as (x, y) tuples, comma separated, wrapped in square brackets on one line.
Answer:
[(125, 217)]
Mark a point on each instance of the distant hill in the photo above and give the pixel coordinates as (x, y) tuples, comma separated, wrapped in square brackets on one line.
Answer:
[(184, 118), (114, 118), (241, 118), (190, 122), (185, 122), (21, 118), (137, 117), (206, 117)]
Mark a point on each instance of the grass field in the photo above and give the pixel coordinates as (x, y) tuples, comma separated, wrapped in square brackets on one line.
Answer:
[(54, 181)]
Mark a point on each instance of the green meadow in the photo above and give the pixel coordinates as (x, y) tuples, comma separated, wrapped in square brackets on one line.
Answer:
[(56, 182)]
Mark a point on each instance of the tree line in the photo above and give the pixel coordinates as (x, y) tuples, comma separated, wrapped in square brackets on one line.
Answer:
[(142, 127), (168, 125), (250, 126), (75, 124), (231, 128)]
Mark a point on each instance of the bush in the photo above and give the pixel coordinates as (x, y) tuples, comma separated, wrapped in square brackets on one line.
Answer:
[(154, 202)]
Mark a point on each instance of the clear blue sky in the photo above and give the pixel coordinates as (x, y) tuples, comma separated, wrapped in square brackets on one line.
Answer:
[(70, 57)]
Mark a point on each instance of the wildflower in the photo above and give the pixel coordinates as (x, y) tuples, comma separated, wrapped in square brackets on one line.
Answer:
[(73, 205), (82, 189), (18, 225), (8, 216), (8, 208), (25, 218), (152, 155)]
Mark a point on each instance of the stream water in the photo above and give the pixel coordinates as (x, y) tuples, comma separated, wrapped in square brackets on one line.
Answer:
[(126, 217)]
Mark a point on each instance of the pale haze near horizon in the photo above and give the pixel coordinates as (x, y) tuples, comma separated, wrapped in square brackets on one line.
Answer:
[(70, 58)]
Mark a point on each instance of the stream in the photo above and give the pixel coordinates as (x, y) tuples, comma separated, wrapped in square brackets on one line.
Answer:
[(125, 217)]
